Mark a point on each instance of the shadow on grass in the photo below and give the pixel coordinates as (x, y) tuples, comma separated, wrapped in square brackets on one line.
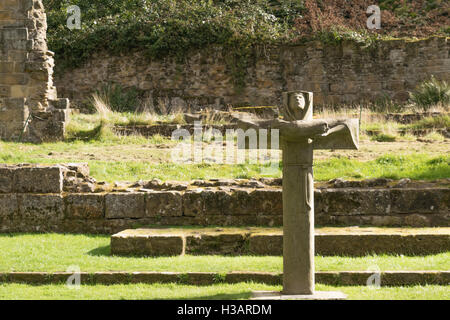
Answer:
[(100, 251)]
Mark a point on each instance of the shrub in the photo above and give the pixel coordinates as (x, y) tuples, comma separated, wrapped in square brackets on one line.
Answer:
[(431, 93), (173, 27), (117, 98)]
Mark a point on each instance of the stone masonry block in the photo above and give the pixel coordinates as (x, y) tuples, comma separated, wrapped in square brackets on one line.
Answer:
[(41, 207), (85, 206), (160, 245), (216, 202), (39, 180), (221, 244), (241, 203), (13, 110), (14, 33), (420, 201), (13, 78), (164, 203), (352, 202), (5, 91), (193, 203), (125, 205), (6, 179), (8, 205), (267, 202)]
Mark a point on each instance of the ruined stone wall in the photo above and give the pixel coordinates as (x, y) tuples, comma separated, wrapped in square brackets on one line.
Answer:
[(345, 73), (66, 199), (29, 107)]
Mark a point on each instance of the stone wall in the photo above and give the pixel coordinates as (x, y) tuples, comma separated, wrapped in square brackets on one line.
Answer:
[(66, 199), (345, 73), (29, 108)]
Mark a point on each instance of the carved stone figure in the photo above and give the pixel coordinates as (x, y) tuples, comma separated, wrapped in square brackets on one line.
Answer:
[(300, 135)]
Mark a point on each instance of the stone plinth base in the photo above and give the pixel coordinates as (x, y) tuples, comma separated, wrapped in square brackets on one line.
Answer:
[(318, 295)]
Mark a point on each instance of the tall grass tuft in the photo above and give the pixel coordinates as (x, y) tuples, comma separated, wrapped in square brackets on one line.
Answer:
[(101, 105), (118, 98), (431, 93)]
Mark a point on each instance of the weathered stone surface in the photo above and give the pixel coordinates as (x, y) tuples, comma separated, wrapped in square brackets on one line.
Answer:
[(364, 244), (335, 73), (266, 244), (216, 244), (40, 207), (154, 277), (63, 277), (111, 278), (77, 179), (130, 242), (420, 201), (193, 204), (28, 277), (222, 203), (38, 180), (267, 202), (85, 206), (125, 205), (199, 278), (8, 205), (164, 203), (6, 179), (26, 70), (269, 241), (381, 201), (358, 243)]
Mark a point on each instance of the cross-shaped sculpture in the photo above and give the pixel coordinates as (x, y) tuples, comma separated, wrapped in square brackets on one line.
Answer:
[(299, 136)]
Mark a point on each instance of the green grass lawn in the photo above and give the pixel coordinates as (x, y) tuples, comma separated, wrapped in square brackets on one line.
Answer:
[(137, 158), (56, 252), (219, 291)]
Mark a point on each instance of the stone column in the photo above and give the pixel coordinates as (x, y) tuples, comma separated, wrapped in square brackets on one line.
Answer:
[(298, 218)]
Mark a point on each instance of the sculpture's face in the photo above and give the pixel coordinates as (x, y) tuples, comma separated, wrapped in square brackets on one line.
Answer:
[(297, 100), (296, 106)]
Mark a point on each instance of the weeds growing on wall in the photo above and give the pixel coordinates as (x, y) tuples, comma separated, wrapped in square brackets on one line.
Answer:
[(164, 28)]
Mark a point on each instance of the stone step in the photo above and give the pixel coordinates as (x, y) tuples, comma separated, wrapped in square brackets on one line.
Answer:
[(353, 241), (333, 278)]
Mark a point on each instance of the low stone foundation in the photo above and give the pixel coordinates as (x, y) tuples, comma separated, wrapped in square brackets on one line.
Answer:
[(269, 241), (63, 198)]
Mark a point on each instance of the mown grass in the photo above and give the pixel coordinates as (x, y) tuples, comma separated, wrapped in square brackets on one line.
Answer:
[(413, 166), (57, 252), (215, 292)]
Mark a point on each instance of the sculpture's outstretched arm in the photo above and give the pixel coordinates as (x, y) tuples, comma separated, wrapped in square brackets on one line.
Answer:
[(289, 130), (326, 134), (342, 134)]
